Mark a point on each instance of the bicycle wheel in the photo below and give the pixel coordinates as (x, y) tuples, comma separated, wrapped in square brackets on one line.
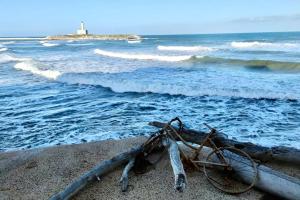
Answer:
[(240, 175)]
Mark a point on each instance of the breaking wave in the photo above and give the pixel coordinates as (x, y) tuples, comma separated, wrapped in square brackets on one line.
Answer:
[(127, 85), (79, 44), (134, 41), (9, 42), (142, 56), (47, 44), (257, 64), (268, 45), (4, 58), (184, 48), (31, 67), (122, 83), (3, 49)]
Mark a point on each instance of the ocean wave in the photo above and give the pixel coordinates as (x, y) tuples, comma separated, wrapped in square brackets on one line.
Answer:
[(80, 44), (123, 83), (129, 85), (4, 58), (134, 41), (255, 64), (31, 67), (20, 38), (149, 38), (3, 49), (142, 56), (184, 48), (257, 44), (47, 44), (9, 42)]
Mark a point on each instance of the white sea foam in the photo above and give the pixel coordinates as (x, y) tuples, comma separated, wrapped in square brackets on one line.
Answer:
[(31, 67), (145, 38), (4, 58), (142, 56), (184, 48), (134, 41), (9, 42), (80, 44), (48, 44), (256, 44), (21, 38), (127, 85), (93, 66), (3, 49)]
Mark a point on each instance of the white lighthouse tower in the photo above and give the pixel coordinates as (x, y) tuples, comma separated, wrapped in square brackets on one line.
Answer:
[(82, 30)]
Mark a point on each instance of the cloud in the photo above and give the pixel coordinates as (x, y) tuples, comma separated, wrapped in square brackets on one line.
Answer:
[(265, 19)]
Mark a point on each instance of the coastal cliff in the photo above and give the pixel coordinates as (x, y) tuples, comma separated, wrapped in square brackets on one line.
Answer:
[(93, 37)]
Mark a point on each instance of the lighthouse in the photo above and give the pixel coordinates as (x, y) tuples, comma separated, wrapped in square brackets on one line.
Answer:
[(82, 30)]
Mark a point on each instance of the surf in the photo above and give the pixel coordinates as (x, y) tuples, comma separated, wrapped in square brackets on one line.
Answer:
[(3, 49), (48, 44), (30, 66), (264, 45), (120, 84), (184, 48), (9, 42), (255, 64), (79, 44), (142, 56), (134, 41), (5, 58)]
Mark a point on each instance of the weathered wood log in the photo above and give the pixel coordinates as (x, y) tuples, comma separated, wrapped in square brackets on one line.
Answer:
[(268, 180), (178, 170), (124, 177), (100, 169), (280, 153)]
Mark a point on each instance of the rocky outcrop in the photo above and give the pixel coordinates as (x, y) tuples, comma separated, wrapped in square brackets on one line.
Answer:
[(92, 37)]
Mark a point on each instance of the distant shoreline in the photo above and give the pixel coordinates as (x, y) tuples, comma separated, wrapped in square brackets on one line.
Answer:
[(144, 35), (77, 37), (21, 38), (92, 37)]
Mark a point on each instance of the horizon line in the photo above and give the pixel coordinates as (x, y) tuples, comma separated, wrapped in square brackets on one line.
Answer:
[(221, 33)]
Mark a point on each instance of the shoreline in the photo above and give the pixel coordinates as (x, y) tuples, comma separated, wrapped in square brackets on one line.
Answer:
[(78, 37), (21, 38), (41, 172), (93, 37)]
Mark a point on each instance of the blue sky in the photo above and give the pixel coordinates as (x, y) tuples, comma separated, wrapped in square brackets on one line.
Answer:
[(38, 18)]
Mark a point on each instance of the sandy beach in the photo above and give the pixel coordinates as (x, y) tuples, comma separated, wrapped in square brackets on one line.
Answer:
[(39, 173)]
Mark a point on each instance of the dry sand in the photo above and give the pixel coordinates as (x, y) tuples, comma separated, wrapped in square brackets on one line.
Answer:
[(40, 173)]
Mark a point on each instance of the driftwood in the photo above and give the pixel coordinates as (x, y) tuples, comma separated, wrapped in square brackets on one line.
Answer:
[(100, 169), (178, 170), (124, 177), (269, 180), (280, 153)]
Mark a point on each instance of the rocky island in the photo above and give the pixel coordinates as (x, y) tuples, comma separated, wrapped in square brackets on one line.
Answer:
[(82, 34), (93, 37)]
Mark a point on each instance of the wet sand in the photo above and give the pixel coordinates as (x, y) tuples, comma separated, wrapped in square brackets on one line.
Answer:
[(40, 173)]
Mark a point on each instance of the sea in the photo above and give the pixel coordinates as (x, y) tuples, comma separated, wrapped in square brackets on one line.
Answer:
[(64, 92)]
